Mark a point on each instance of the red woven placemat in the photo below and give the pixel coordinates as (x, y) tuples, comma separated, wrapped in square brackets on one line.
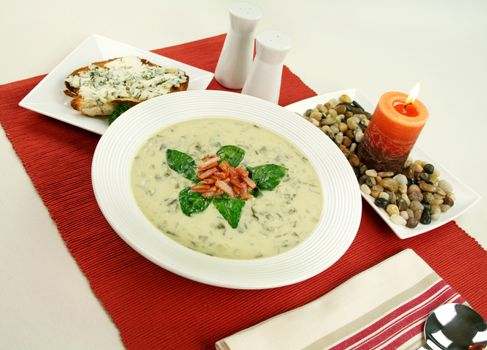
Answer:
[(155, 309)]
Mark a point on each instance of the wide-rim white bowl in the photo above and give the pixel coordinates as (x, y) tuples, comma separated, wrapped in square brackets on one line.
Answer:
[(331, 238)]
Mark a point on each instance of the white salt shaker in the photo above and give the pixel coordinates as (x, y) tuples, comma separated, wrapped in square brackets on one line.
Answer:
[(236, 57), (264, 80)]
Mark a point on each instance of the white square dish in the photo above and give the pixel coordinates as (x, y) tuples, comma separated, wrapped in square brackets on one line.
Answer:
[(48, 98), (465, 196)]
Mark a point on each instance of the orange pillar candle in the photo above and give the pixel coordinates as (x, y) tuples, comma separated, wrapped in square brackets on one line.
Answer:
[(394, 127)]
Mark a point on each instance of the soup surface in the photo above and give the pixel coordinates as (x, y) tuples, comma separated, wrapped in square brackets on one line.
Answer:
[(269, 224)]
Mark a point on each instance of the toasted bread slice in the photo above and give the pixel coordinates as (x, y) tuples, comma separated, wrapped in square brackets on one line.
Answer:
[(98, 88)]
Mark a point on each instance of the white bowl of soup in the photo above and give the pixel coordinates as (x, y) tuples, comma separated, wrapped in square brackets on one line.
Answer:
[(164, 182)]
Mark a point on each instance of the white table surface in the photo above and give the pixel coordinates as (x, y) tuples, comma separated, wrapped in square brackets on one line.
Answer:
[(376, 46)]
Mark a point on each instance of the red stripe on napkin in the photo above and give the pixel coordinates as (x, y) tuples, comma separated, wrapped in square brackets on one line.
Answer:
[(402, 323), (156, 309)]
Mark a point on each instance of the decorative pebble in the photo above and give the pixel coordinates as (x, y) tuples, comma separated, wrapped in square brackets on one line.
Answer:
[(437, 201), (425, 217), (403, 188), (440, 191), (414, 188), (314, 121), (384, 195), (428, 197), (346, 141), (402, 204), (401, 178), (406, 198), (334, 128), (444, 207), (343, 127), (316, 115), (404, 214), (427, 187), (398, 220), (371, 172), (352, 123), (341, 109), (339, 138), (345, 99), (416, 205), (354, 160), (410, 213), (435, 175), (375, 193), (429, 168), (424, 176), (385, 174), (417, 168), (448, 201), (416, 196), (445, 186), (392, 209), (390, 184), (359, 135), (365, 189), (381, 202), (417, 214), (412, 222)]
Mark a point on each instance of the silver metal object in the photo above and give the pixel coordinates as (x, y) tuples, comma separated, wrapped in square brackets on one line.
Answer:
[(455, 327)]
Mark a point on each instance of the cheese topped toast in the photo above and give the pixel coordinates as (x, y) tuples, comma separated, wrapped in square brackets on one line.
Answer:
[(98, 88)]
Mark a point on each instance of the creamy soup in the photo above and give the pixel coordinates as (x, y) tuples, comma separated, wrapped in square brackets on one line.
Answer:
[(270, 224)]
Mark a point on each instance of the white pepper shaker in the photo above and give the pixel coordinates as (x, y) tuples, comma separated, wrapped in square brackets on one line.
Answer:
[(264, 80), (236, 57)]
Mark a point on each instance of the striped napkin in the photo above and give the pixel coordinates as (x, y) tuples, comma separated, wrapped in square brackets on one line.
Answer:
[(384, 307)]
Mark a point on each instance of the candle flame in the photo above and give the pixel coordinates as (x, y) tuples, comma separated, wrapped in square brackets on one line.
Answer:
[(413, 94)]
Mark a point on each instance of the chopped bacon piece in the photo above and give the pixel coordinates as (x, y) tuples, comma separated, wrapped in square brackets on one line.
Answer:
[(219, 178), (206, 173), (234, 181), (208, 181), (249, 182), (244, 193), (242, 171), (200, 188), (208, 156), (220, 175), (227, 168), (209, 163), (225, 188), (236, 189)]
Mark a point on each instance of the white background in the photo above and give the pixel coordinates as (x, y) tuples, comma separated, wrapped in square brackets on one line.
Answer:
[(376, 46)]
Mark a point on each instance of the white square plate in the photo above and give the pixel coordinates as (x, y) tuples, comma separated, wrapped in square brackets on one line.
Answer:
[(465, 196), (49, 99)]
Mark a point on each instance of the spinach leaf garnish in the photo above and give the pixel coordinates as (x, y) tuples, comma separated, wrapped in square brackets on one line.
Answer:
[(181, 163), (119, 109), (267, 176), (232, 154), (192, 202), (230, 208)]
